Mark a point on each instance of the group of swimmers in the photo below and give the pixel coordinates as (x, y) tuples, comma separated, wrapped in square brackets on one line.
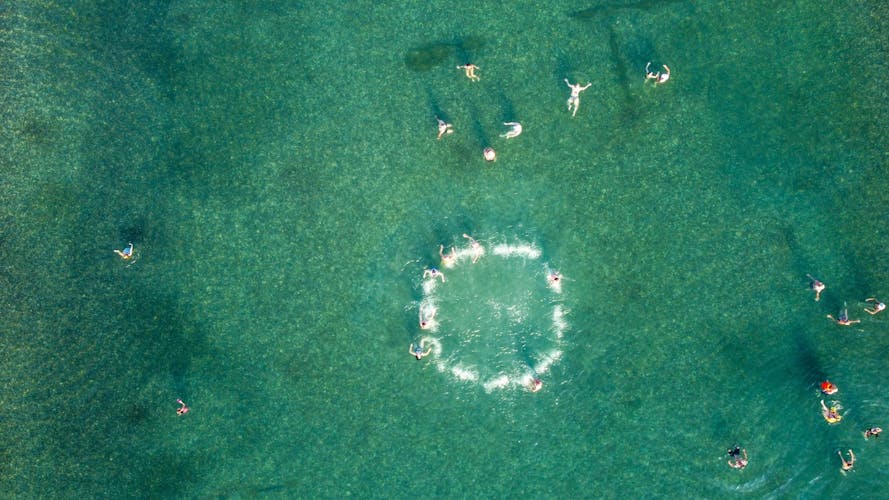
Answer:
[(831, 413), (515, 128), (428, 310)]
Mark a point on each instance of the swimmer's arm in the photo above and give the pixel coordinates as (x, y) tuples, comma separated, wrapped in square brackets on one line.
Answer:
[(667, 68), (567, 83)]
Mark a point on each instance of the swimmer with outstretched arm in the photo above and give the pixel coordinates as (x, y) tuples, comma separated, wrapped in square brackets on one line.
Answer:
[(418, 351), (126, 253), (843, 318), (738, 462), (447, 260), (830, 414), (574, 99), (847, 466), (658, 77), (878, 306), (817, 286), (433, 273), (444, 127), (477, 249), (427, 316), (515, 129)]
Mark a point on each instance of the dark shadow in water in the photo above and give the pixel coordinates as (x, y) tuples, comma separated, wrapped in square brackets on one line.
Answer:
[(630, 110), (507, 109), (609, 8), (427, 56), (807, 359)]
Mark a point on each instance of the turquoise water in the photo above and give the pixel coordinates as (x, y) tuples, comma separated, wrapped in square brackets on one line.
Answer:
[(276, 167)]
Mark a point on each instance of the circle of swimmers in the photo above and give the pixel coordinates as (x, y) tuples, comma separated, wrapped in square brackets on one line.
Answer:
[(427, 314), (515, 128), (831, 413)]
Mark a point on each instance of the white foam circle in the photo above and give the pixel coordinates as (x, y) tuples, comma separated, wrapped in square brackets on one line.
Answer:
[(494, 316)]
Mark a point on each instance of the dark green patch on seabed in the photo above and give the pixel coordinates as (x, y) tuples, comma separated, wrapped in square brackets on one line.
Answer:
[(276, 167)]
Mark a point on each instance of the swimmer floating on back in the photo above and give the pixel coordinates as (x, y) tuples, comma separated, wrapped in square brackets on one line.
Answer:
[(817, 286), (737, 462), (470, 71), (843, 318), (831, 414), (444, 127), (126, 253), (477, 249), (418, 351), (514, 131), (872, 432), (433, 273), (658, 77), (574, 99), (878, 306)]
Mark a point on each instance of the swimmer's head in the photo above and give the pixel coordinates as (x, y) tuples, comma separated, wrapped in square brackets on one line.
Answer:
[(490, 154)]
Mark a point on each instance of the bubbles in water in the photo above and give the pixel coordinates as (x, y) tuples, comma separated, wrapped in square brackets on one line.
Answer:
[(495, 317)]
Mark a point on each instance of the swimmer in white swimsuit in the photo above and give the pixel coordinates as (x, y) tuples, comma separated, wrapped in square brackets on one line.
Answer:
[(514, 131), (444, 127), (878, 306), (574, 100), (658, 77)]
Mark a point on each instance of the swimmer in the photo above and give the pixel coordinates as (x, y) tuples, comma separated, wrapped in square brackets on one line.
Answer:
[(738, 462), (878, 306), (514, 131), (828, 388), (126, 253), (831, 414), (817, 286), (574, 100), (427, 316), (183, 409), (470, 71), (843, 318), (872, 432), (418, 351), (658, 77), (433, 273), (554, 280), (490, 154), (477, 249), (447, 260), (444, 127), (847, 466), (535, 385)]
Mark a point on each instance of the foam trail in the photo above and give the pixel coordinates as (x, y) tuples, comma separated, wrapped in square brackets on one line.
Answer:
[(496, 383), (464, 373), (527, 251)]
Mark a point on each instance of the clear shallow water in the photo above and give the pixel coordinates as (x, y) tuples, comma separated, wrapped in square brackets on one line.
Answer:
[(276, 167)]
